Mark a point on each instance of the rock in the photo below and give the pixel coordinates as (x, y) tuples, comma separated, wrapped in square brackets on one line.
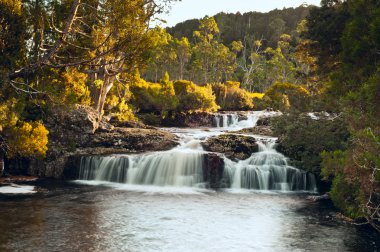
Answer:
[(131, 124), (127, 140), (264, 121), (213, 166), (71, 127), (104, 126), (242, 116), (258, 130), (191, 120), (232, 146), (318, 197)]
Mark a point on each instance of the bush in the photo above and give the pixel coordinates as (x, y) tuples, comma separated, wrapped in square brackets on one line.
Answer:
[(153, 97), (192, 97), (283, 96), (303, 139), (230, 97), (27, 140)]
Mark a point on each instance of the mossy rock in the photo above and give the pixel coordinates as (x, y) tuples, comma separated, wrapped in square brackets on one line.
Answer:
[(234, 147)]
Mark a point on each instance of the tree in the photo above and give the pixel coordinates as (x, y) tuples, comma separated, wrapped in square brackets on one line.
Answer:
[(183, 54), (102, 38), (212, 59)]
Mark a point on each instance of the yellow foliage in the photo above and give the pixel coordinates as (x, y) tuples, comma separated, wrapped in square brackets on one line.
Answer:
[(76, 90), (256, 95), (13, 5), (286, 95), (234, 84), (28, 140), (125, 113), (8, 116), (192, 97)]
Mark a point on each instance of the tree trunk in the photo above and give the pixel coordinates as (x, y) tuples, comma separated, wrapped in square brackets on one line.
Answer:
[(106, 87)]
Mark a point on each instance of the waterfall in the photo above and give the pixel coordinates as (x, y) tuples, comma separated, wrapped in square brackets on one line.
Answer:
[(173, 168), (226, 120), (237, 121), (267, 170), (188, 165)]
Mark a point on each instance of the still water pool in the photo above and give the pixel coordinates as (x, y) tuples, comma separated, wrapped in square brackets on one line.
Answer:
[(77, 217)]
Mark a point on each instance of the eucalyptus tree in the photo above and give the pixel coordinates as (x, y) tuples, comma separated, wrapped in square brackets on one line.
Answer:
[(102, 38)]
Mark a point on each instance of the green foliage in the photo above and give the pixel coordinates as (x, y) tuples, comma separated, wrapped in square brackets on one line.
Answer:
[(13, 33), (303, 139), (233, 27), (346, 197)]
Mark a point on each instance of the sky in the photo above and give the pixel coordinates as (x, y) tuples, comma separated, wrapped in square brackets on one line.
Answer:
[(190, 9)]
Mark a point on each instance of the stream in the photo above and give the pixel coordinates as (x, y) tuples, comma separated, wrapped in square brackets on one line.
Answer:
[(162, 201)]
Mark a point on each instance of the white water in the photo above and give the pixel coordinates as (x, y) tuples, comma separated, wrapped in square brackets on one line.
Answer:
[(183, 166), (173, 168), (232, 121), (267, 170)]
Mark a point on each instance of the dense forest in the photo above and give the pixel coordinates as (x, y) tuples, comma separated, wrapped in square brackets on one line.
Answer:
[(106, 55)]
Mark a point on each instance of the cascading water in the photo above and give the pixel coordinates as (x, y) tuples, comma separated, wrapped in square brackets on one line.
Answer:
[(173, 168), (184, 166), (226, 120), (267, 170), (235, 121)]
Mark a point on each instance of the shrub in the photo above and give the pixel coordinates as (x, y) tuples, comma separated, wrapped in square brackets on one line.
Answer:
[(192, 97), (284, 96), (230, 97), (303, 139), (28, 140)]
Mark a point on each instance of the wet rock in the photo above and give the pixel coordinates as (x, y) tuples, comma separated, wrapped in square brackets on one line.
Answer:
[(258, 130), (190, 120), (213, 166), (242, 116), (265, 121), (232, 146), (316, 198)]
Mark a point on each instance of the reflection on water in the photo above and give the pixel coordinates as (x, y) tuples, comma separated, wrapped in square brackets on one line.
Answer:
[(95, 218)]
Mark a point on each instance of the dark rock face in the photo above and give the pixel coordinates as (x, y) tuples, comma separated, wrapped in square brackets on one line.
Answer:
[(193, 120), (213, 166), (233, 146)]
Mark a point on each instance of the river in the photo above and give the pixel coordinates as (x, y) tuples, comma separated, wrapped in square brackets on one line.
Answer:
[(159, 202)]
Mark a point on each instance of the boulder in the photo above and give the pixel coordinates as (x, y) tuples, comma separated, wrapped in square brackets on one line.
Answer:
[(213, 166), (190, 120), (258, 130), (129, 140), (234, 147)]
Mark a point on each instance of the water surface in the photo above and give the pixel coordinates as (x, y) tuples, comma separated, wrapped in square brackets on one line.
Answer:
[(97, 218)]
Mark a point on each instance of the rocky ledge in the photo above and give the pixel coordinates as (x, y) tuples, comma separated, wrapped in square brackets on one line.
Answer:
[(234, 147)]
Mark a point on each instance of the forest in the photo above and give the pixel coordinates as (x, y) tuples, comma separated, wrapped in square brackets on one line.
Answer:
[(106, 54)]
